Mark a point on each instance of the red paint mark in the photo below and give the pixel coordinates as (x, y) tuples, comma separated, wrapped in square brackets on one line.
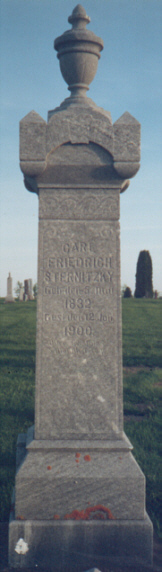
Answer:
[(99, 516), (20, 517), (87, 458), (56, 517), (98, 512), (77, 460), (75, 515), (49, 468), (100, 508), (77, 455)]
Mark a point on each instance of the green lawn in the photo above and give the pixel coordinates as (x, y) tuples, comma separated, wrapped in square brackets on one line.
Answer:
[(142, 332), (17, 366), (142, 360)]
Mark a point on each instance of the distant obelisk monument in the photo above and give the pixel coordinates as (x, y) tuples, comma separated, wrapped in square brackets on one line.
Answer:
[(9, 297), (79, 493)]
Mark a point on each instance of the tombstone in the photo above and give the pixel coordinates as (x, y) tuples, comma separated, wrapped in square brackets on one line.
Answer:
[(79, 493), (28, 290), (9, 297), (21, 294), (25, 290)]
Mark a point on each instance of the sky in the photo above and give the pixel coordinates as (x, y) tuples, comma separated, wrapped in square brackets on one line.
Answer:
[(129, 78)]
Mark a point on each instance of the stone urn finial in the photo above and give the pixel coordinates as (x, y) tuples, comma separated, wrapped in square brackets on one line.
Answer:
[(78, 51), (79, 18)]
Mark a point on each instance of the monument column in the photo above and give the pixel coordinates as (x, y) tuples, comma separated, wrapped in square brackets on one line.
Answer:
[(9, 297), (79, 492)]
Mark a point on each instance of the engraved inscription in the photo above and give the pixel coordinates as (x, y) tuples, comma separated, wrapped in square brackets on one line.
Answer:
[(60, 349), (73, 317), (79, 303), (78, 276), (74, 247), (79, 331), (78, 317), (77, 291), (71, 262)]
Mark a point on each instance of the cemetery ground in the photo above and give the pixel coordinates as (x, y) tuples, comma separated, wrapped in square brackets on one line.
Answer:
[(142, 368)]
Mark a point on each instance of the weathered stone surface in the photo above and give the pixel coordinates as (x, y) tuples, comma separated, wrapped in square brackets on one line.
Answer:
[(78, 52), (76, 471), (125, 169), (84, 164), (82, 124), (127, 131), (53, 483), (78, 203), (79, 294), (79, 493), (79, 545), (32, 144), (20, 449), (78, 291)]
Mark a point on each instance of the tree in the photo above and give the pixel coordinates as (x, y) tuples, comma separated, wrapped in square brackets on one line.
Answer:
[(17, 288), (144, 286), (127, 292), (35, 290), (123, 290)]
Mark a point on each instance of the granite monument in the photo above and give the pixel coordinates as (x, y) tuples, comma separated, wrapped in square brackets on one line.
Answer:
[(79, 493)]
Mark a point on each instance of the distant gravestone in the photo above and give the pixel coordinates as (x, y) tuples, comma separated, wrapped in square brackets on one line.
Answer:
[(28, 289), (79, 493), (9, 297), (21, 294), (25, 290)]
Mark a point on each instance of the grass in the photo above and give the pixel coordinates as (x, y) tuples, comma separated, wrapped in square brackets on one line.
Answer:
[(142, 332), (142, 389), (142, 393), (142, 380), (17, 365)]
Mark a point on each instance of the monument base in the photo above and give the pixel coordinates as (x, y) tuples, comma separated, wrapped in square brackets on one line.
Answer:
[(96, 480), (9, 299), (111, 525), (78, 546)]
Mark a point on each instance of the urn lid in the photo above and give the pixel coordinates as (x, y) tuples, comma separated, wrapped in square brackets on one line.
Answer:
[(78, 48)]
